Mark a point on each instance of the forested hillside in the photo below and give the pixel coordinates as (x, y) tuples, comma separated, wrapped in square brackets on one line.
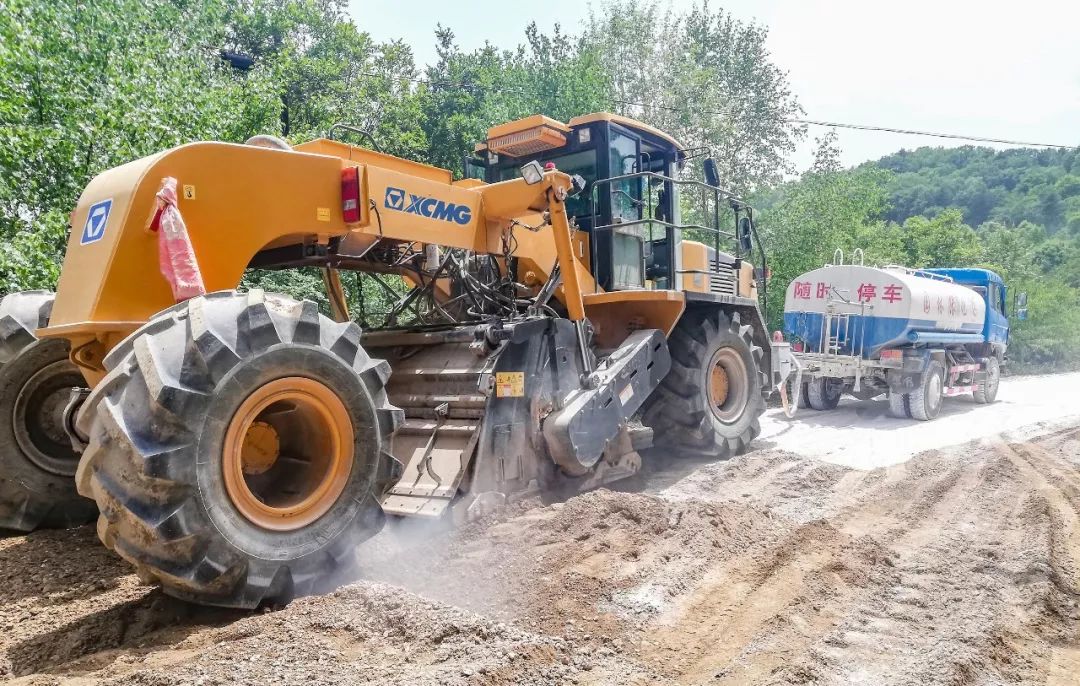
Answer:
[(1011, 186)]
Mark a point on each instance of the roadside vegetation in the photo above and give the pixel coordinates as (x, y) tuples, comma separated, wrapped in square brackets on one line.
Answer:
[(88, 86)]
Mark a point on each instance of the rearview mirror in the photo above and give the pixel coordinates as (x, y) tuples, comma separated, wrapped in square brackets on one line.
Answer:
[(746, 238), (712, 175), (1020, 306)]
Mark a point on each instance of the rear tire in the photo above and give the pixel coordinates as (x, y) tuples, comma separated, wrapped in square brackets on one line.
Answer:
[(898, 405), (37, 461), (804, 396), (824, 394), (924, 403), (234, 446), (696, 409), (987, 392)]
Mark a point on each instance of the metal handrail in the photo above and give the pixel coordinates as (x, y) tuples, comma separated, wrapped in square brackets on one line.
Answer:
[(678, 182), (920, 272), (734, 201), (661, 222)]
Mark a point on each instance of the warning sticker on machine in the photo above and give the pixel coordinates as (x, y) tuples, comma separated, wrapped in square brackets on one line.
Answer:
[(509, 384)]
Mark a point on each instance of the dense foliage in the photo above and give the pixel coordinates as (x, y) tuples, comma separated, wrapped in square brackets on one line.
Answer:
[(85, 86), (1010, 186)]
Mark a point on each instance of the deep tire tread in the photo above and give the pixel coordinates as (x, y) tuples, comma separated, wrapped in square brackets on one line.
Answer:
[(676, 410), (36, 499), (138, 464)]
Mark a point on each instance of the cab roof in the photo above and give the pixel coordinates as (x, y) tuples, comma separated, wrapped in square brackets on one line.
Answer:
[(968, 275), (557, 128)]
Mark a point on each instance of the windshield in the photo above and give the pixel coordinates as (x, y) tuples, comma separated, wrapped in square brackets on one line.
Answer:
[(582, 163)]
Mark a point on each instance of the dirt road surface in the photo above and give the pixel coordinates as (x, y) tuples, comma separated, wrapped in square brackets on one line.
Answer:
[(864, 436), (859, 558)]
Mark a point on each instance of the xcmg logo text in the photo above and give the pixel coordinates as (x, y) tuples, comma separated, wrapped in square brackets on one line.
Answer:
[(432, 208)]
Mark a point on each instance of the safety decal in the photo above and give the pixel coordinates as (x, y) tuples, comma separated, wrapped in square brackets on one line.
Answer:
[(509, 384)]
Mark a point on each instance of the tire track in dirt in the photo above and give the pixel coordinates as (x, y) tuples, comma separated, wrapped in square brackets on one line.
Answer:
[(957, 567), (749, 619), (942, 529)]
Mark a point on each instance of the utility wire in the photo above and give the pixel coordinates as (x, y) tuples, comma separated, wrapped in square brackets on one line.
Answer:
[(935, 134), (791, 120)]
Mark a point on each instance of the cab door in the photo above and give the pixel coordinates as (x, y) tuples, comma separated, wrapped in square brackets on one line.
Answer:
[(998, 323), (623, 244)]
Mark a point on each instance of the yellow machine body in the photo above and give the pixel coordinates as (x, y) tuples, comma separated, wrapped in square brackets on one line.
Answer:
[(237, 200), (238, 446)]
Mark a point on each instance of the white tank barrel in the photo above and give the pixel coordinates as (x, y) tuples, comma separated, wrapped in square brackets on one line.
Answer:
[(874, 308)]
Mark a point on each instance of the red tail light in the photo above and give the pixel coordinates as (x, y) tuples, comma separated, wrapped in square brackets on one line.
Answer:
[(350, 194)]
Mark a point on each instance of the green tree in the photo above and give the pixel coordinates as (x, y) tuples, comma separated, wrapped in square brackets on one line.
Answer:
[(467, 93), (326, 71), (705, 77), (804, 222), (944, 241), (87, 86)]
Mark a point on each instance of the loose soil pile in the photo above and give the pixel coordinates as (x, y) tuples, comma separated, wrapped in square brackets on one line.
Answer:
[(955, 567)]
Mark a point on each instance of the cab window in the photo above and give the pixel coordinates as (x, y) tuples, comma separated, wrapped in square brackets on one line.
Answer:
[(625, 195), (582, 163), (997, 300)]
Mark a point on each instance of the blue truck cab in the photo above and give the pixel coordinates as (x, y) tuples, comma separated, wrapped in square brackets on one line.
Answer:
[(992, 289)]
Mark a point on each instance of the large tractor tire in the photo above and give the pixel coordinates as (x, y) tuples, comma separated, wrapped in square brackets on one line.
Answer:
[(37, 460), (824, 394), (991, 380), (710, 403), (234, 448), (924, 403)]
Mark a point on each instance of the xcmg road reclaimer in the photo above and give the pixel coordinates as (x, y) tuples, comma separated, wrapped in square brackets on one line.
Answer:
[(545, 323)]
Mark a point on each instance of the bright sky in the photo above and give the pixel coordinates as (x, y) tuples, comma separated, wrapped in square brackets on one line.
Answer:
[(991, 68)]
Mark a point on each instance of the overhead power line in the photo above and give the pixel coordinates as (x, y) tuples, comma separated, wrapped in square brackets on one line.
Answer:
[(791, 120), (935, 134)]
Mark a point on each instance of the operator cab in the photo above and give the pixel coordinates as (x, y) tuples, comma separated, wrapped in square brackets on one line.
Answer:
[(629, 205)]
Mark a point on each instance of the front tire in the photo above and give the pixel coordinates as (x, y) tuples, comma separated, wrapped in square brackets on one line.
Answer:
[(37, 461), (234, 446), (710, 402)]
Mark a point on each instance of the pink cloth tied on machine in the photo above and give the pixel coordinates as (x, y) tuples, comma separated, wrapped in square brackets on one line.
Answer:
[(176, 255)]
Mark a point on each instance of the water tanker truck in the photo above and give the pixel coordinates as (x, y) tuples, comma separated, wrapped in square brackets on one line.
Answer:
[(917, 335)]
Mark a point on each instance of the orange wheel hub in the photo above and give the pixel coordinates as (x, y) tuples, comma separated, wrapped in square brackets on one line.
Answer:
[(718, 385), (288, 453), (729, 383)]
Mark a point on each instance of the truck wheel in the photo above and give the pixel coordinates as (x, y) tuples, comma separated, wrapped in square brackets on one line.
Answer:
[(37, 461), (824, 394), (710, 402), (987, 392), (924, 403), (234, 446), (898, 405), (804, 396)]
